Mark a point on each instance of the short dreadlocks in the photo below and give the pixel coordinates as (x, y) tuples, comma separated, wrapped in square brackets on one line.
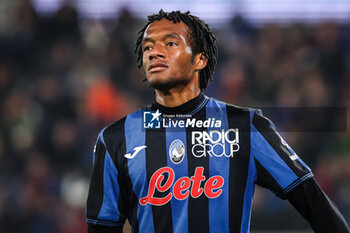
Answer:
[(201, 39)]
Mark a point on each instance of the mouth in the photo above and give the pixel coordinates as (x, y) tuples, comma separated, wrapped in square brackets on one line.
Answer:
[(157, 66)]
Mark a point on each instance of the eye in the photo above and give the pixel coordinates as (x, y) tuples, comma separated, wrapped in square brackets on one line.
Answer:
[(171, 43), (146, 48)]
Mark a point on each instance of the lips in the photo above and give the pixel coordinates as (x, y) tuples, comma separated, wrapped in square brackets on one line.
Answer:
[(157, 66)]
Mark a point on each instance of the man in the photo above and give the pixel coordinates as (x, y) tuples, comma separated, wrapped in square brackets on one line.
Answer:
[(189, 163)]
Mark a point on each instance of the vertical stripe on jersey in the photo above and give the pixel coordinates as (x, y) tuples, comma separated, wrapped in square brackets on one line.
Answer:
[(248, 195), (198, 208), (218, 208), (95, 197), (134, 137), (128, 201), (266, 176), (239, 164), (156, 158), (281, 172), (109, 209), (178, 207)]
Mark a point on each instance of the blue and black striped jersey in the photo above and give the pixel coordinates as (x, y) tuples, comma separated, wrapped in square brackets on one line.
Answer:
[(192, 169)]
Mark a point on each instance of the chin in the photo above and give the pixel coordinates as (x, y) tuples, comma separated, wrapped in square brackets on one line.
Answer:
[(164, 85)]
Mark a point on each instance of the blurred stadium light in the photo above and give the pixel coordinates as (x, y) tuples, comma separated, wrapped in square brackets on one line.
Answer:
[(216, 12)]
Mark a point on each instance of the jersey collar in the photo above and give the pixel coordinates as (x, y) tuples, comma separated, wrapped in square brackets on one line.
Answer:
[(190, 107)]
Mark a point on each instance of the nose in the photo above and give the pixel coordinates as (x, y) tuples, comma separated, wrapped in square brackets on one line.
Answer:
[(157, 52)]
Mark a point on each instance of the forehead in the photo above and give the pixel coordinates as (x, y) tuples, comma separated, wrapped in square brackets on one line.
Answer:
[(165, 26)]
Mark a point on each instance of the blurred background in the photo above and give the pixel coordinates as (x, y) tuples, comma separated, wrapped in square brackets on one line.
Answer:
[(67, 69)]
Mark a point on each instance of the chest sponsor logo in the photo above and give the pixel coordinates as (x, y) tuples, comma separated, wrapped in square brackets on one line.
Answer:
[(190, 123), (215, 143), (157, 120), (151, 119), (181, 188), (177, 151), (136, 151)]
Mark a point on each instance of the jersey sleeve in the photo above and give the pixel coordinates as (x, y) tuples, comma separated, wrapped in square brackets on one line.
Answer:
[(104, 193), (278, 167), (316, 207)]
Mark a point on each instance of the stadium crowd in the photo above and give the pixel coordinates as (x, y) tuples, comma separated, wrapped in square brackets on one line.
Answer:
[(62, 79)]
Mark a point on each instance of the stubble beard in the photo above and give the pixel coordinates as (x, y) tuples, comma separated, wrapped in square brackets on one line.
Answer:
[(166, 85)]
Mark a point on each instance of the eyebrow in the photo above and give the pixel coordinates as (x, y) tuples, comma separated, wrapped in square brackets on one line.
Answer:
[(170, 35)]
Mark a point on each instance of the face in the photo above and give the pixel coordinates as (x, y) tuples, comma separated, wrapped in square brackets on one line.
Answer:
[(167, 54)]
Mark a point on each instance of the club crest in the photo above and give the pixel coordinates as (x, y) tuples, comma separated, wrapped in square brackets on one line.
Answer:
[(177, 151)]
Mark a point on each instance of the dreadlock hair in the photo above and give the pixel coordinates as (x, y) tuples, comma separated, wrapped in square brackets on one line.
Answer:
[(201, 39)]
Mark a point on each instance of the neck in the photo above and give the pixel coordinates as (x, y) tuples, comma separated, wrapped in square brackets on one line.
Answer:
[(178, 95)]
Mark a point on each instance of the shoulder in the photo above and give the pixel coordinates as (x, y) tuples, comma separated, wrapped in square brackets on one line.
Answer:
[(114, 133), (234, 109)]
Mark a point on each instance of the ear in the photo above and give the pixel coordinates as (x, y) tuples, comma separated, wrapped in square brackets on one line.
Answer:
[(200, 61)]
